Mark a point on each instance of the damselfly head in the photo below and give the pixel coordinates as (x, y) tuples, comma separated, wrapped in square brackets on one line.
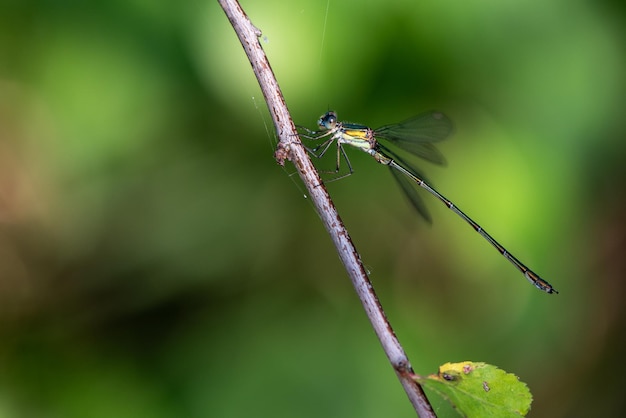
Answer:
[(328, 120)]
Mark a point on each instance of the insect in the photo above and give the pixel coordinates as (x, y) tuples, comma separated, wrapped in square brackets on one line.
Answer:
[(416, 136)]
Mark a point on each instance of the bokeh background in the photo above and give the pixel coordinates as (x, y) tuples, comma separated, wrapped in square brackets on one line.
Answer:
[(156, 262)]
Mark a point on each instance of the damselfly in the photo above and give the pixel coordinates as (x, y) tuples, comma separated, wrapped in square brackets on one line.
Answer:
[(416, 136)]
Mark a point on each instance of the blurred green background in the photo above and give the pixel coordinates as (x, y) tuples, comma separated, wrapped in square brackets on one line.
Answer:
[(156, 262)]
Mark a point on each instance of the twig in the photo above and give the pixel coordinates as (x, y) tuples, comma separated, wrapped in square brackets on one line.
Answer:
[(290, 148)]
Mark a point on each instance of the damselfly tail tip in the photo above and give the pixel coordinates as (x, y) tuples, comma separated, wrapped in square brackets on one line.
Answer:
[(547, 289), (539, 283)]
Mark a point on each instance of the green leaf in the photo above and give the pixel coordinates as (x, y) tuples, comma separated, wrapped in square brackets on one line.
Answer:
[(480, 390)]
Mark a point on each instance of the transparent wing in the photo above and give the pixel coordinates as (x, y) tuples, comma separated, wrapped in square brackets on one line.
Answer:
[(416, 135), (408, 186)]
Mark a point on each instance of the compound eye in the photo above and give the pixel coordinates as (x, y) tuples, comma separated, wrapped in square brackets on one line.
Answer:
[(328, 121)]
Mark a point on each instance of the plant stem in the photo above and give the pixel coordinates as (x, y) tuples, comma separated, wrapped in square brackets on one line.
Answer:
[(290, 148)]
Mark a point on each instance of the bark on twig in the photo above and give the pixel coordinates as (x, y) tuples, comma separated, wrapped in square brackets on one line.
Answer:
[(290, 148)]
